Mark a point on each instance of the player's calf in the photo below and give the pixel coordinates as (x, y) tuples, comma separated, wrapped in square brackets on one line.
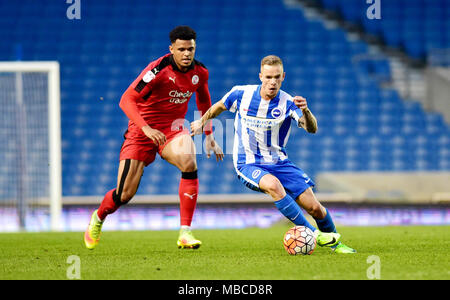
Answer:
[(125, 197), (309, 202), (317, 211)]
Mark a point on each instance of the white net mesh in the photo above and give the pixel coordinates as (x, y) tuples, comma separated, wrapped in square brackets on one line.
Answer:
[(24, 149)]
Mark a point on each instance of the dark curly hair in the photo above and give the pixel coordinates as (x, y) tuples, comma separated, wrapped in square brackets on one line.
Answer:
[(184, 33)]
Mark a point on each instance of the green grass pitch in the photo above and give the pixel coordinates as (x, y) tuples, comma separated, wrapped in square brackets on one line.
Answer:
[(408, 252)]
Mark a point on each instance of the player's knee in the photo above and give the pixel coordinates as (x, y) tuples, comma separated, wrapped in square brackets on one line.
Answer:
[(188, 166), (275, 188)]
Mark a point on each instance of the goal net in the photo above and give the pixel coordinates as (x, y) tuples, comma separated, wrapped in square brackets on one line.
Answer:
[(30, 147)]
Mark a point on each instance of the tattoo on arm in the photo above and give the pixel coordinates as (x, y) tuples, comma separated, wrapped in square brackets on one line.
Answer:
[(213, 112), (308, 121)]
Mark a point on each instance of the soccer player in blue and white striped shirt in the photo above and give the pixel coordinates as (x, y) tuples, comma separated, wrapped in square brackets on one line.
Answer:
[(262, 126)]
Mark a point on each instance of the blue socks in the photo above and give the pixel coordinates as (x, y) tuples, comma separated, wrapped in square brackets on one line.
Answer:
[(291, 210), (326, 224)]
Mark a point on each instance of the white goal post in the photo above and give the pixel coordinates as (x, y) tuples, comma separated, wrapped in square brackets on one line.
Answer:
[(24, 87)]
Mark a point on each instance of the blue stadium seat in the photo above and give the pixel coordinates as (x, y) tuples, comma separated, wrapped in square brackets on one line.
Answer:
[(403, 24), (101, 54)]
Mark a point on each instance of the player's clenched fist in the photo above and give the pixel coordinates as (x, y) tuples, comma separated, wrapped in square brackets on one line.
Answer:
[(300, 102), (155, 135)]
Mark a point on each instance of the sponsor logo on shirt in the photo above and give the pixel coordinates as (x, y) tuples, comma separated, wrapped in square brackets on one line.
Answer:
[(178, 97), (259, 123)]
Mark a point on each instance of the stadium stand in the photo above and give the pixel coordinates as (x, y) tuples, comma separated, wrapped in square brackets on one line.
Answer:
[(416, 26), (362, 127)]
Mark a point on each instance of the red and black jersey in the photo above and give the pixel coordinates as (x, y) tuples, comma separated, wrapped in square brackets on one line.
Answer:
[(161, 93)]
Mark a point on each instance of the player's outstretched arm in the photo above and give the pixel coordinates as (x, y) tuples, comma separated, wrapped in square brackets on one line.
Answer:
[(308, 121), (211, 113)]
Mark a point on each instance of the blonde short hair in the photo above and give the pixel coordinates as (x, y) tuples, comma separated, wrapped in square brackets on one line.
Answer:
[(271, 60)]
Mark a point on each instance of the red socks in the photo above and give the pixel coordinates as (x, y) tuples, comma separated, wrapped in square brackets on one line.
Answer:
[(188, 192), (109, 205)]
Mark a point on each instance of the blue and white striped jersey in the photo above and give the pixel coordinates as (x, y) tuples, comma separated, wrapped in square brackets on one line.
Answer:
[(261, 127)]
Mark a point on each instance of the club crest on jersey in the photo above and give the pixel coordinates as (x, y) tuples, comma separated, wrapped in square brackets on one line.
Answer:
[(276, 113), (195, 79), (148, 77)]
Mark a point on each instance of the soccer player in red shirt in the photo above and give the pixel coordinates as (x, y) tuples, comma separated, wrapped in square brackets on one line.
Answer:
[(156, 104)]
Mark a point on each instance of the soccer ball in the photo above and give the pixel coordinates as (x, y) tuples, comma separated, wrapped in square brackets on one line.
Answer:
[(299, 240)]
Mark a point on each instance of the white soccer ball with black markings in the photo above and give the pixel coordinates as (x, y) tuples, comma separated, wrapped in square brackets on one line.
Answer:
[(299, 240)]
